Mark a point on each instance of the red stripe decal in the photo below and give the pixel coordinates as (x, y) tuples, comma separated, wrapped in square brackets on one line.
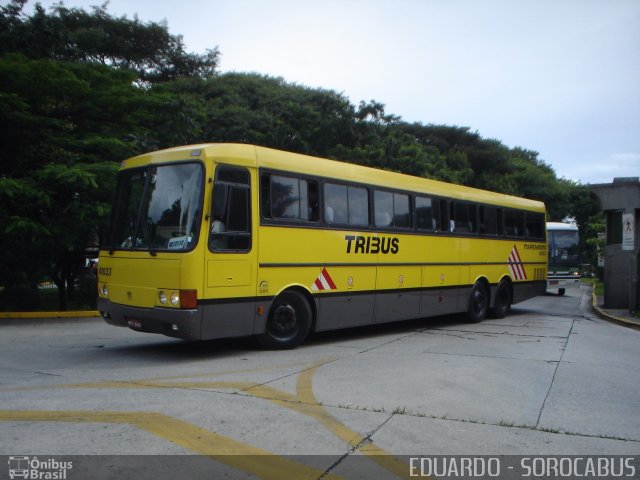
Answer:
[(328, 278)]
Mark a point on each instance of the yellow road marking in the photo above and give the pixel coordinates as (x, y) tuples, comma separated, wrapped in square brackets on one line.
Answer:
[(225, 450), (229, 372), (304, 389), (304, 402)]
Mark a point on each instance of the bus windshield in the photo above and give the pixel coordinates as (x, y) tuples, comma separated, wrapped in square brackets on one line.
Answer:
[(157, 208), (563, 248)]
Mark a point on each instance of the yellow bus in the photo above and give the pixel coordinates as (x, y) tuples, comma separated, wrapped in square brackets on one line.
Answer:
[(221, 240)]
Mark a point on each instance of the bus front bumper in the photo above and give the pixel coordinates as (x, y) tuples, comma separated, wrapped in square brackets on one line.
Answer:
[(185, 324), (563, 282)]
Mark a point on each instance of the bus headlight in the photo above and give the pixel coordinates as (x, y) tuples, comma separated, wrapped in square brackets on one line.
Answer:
[(184, 299), (168, 298), (175, 299), (103, 290), (162, 298)]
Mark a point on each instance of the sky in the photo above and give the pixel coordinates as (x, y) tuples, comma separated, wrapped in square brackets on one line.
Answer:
[(559, 77)]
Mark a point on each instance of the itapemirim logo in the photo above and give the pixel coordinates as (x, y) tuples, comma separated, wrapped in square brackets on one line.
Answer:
[(33, 468)]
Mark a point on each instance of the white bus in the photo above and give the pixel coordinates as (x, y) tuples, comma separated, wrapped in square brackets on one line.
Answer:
[(564, 257)]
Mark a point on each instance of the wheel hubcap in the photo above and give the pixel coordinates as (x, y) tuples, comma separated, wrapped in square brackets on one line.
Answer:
[(479, 300), (284, 320)]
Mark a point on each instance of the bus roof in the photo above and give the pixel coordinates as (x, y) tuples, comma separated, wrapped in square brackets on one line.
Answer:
[(251, 155)]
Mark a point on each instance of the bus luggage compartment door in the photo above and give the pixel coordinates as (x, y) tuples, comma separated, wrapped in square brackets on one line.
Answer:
[(354, 304), (397, 293)]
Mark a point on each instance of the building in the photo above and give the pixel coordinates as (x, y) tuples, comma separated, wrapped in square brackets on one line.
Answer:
[(620, 202)]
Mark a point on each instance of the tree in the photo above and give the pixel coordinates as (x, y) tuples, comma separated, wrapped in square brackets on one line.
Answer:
[(76, 97), (584, 206), (73, 34), (250, 108), (65, 131)]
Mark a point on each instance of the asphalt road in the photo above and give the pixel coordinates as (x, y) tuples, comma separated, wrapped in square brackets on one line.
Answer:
[(549, 379)]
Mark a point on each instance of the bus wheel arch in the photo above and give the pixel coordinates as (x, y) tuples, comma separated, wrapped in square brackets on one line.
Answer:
[(289, 321), (310, 300), (502, 299), (479, 299)]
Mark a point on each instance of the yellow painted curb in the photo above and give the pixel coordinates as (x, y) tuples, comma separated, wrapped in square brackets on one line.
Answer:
[(69, 314), (607, 316)]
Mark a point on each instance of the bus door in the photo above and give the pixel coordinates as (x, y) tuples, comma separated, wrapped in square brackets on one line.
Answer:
[(231, 256)]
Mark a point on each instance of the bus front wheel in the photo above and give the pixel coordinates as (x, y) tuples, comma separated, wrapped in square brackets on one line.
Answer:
[(288, 323), (478, 303)]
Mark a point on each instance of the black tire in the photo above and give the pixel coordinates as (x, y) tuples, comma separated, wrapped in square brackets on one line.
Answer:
[(561, 291), (502, 302), (478, 303), (288, 323)]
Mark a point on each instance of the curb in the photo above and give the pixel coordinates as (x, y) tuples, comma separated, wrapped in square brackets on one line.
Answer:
[(51, 315), (607, 316)]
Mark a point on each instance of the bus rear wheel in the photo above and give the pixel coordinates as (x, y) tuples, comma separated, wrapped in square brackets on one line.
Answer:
[(478, 303), (288, 323), (561, 291), (502, 302)]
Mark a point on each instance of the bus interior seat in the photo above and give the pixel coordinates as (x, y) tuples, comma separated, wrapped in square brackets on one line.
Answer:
[(383, 219), (328, 215)]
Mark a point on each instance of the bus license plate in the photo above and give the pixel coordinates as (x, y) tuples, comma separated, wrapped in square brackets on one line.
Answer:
[(134, 323)]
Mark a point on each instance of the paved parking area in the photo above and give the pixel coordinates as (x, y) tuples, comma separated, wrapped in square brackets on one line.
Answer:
[(549, 379)]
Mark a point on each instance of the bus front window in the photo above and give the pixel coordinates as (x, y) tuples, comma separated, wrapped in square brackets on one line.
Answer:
[(563, 248), (157, 208)]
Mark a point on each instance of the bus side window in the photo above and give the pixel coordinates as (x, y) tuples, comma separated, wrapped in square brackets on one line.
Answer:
[(392, 209), (465, 217), (490, 222), (426, 213), (383, 208), (358, 206), (402, 211), (473, 218), (514, 223), (444, 224), (346, 205), (535, 225), (230, 211), (288, 199), (336, 204)]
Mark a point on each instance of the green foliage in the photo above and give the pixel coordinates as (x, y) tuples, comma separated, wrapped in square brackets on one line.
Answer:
[(73, 34), (258, 109), (594, 244), (65, 132)]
